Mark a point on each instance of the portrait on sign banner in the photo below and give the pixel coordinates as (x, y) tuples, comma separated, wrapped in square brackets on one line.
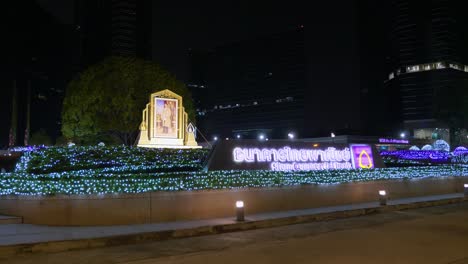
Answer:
[(166, 117)]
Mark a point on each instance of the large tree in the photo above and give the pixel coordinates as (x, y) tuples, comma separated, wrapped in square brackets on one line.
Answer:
[(108, 98)]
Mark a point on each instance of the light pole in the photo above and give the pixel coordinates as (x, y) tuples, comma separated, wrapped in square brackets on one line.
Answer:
[(240, 211), (383, 197)]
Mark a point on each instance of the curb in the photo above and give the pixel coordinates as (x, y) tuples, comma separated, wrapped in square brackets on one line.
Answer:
[(60, 246)]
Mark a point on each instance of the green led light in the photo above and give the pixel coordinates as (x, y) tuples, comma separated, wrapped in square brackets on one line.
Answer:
[(99, 170)]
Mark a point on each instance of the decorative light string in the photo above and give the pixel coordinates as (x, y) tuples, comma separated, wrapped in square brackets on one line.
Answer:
[(424, 157), (107, 170), (122, 159), (97, 182)]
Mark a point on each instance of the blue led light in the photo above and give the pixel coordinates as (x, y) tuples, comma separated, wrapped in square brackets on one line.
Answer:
[(101, 170)]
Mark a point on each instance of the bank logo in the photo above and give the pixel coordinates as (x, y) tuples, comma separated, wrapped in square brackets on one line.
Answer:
[(362, 156)]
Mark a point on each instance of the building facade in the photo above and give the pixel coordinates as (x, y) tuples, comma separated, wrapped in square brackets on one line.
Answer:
[(303, 82), (37, 65), (427, 66), (112, 27), (248, 88)]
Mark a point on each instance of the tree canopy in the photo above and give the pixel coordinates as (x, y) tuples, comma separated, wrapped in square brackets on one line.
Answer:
[(108, 98)]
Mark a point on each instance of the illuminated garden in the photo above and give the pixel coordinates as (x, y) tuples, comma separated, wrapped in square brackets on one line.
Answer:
[(151, 115), (120, 169)]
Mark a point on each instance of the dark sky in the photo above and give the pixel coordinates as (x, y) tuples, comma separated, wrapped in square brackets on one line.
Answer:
[(60, 9), (200, 25), (180, 25)]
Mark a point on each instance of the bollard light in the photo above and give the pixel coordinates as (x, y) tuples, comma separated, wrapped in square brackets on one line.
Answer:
[(465, 189), (383, 197), (240, 211)]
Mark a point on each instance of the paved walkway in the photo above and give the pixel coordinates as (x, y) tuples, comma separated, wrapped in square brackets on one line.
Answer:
[(430, 235), (10, 220), (14, 234)]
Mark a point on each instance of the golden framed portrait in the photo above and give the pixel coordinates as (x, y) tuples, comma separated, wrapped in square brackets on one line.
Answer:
[(165, 117)]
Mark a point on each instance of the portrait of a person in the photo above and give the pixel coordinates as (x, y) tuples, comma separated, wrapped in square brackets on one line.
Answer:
[(166, 118)]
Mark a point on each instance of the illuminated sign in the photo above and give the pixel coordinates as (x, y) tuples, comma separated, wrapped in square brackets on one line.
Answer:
[(284, 155), (393, 141), (286, 158), (362, 156)]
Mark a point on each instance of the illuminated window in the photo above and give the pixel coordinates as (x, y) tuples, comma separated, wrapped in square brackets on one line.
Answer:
[(414, 68), (429, 67), (453, 66), (439, 65)]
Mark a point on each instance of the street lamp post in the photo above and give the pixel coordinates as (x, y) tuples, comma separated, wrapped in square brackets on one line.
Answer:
[(383, 197), (240, 211)]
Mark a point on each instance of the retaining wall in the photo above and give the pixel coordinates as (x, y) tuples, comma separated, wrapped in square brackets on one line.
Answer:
[(121, 209)]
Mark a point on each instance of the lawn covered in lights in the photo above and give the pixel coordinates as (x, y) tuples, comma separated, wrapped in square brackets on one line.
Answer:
[(100, 170), (115, 159), (98, 182)]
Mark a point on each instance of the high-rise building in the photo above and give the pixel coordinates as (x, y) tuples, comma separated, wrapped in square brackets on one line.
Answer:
[(113, 27), (251, 87), (427, 63), (304, 80), (123, 28), (37, 65)]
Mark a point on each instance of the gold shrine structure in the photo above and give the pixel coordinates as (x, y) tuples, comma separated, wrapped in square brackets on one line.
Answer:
[(165, 123)]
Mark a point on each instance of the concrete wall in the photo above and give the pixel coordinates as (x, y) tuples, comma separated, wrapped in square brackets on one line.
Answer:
[(120, 209)]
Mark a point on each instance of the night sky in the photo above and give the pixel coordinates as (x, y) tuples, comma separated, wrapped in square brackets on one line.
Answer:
[(205, 25), (181, 25)]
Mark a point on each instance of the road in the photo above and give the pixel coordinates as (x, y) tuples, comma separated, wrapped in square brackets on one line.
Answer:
[(429, 235)]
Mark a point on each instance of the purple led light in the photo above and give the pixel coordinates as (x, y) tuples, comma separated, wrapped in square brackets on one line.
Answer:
[(393, 141), (27, 148), (418, 155), (460, 151), (362, 157)]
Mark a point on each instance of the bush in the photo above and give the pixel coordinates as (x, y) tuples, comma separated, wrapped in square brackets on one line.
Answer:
[(61, 141), (40, 137), (119, 159), (96, 181)]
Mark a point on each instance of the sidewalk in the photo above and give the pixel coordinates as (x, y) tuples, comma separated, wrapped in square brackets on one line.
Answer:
[(26, 238)]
